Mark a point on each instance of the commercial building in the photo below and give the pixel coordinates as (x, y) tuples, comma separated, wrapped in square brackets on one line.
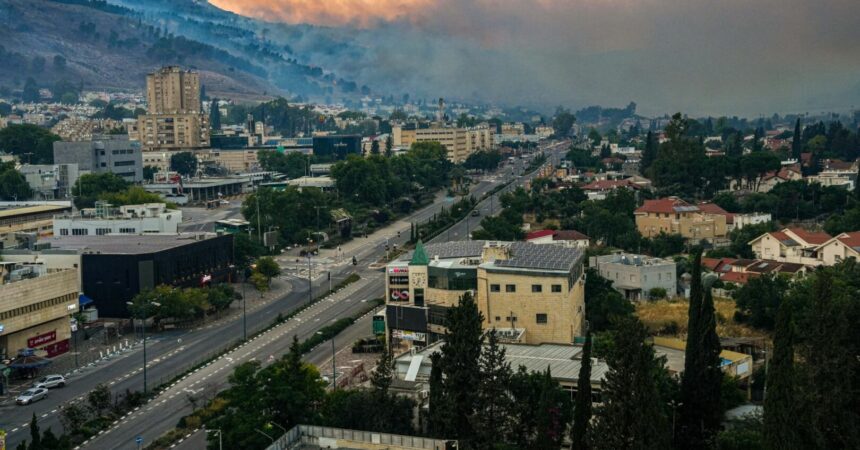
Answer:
[(149, 218), (734, 364), (792, 245), (336, 147), (35, 308), (636, 275), (529, 293), (563, 360), (104, 153), (37, 220), (173, 118), (115, 268), (675, 216), (566, 238), (50, 181), (460, 142)]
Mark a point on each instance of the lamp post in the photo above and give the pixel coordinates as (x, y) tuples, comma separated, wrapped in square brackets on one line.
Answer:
[(310, 279), (265, 434), (220, 443), (333, 370), (674, 405), (143, 314)]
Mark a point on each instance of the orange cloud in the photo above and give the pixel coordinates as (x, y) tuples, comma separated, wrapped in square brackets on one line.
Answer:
[(362, 13)]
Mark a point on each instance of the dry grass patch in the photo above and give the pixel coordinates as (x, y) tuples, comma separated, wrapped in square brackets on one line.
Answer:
[(669, 318)]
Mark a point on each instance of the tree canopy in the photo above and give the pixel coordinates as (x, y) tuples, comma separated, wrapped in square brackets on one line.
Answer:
[(30, 143)]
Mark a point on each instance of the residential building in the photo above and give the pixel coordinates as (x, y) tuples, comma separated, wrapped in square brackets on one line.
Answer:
[(513, 128), (742, 220), (35, 308), (104, 153), (36, 220), (50, 181), (529, 293), (460, 142), (171, 90), (566, 238), (790, 172), (239, 160), (173, 119), (115, 268), (675, 216), (544, 131), (149, 218), (793, 245), (636, 275), (840, 248)]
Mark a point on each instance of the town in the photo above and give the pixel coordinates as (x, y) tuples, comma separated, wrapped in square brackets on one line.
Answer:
[(184, 266)]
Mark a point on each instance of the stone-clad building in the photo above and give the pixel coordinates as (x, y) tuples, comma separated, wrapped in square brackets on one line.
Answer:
[(529, 293)]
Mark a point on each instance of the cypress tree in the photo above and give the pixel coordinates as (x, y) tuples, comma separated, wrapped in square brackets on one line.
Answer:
[(689, 432), (384, 374), (553, 414), (712, 375), (35, 435), (439, 410), (582, 406), (494, 402), (796, 145), (460, 354), (780, 412), (215, 116), (633, 414), (649, 154)]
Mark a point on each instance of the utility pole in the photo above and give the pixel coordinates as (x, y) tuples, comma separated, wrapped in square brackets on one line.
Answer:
[(146, 304), (259, 228), (244, 310)]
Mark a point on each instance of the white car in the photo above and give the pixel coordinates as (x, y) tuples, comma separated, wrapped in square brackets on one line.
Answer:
[(50, 382), (31, 395)]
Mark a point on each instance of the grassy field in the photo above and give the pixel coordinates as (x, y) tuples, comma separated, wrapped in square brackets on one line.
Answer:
[(669, 317)]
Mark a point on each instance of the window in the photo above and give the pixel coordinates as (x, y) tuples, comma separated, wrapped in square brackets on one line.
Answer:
[(123, 163), (127, 230), (102, 231), (419, 297), (540, 318), (103, 164), (64, 231), (498, 319), (495, 288), (80, 232), (510, 288), (556, 288), (537, 288)]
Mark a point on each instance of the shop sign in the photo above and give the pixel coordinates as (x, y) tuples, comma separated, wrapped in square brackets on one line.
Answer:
[(398, 295), (395, 270), (57, 349), (42, 339), (409, 335)]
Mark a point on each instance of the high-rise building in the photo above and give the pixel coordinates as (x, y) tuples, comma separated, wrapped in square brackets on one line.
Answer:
[(171, 90), (174, 119)]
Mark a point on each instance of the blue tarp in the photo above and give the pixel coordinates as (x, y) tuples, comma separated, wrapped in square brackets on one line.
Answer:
[(83, 300)]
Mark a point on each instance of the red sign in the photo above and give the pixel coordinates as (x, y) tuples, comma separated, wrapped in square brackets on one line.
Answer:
[(42, 339), (57, 348)]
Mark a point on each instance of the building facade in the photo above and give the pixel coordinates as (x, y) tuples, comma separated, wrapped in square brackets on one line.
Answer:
[(840, 248), (36, 220), (528, 293), (635, 275), (460, 142), (174, 119), (150, 218), (35, 308), (791, 245), (674, 216), (104, 153)]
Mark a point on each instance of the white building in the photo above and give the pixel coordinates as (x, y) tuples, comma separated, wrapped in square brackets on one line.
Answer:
[(741, 220), (149, 218), (635, 275)]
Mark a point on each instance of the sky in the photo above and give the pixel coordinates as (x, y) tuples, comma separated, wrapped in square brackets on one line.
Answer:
[(745, 57)]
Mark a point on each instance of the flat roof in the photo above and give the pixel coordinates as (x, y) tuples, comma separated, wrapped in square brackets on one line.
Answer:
[(125, 244), (524, 255), (26, 210)]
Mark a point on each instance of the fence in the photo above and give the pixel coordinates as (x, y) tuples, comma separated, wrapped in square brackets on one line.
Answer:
[(327, 437)]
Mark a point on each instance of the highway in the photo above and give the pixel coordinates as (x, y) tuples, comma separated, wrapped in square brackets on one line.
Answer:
[(172, 353)]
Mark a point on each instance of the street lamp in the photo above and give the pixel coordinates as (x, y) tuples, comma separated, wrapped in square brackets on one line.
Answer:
[(333, 371), (310, 270), (265, 434), (143, 314), (220, 444)]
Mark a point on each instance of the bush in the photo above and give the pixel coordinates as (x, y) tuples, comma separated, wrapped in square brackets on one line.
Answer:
[(656, 293)]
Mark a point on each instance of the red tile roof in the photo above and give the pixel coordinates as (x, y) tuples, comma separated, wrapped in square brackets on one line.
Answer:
[(737, 277), (663, 205), (812, 237), (603, 185), (539, 234), (717, 264), (715, 209), (851, 239), (568, 235)]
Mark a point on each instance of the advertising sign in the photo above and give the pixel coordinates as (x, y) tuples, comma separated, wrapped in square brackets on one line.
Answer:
[(400, 295), (42, 339), (409, 335), (400, 270), (57, 348)]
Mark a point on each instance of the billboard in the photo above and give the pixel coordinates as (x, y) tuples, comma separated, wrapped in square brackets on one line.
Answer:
[(270, 238)]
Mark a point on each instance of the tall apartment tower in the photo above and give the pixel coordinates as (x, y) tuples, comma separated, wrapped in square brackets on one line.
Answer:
[(174, 120), (171, 90)]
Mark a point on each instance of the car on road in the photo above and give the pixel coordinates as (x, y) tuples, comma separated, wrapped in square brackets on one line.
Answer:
[(50, 382), (476, 213), (31, 395)]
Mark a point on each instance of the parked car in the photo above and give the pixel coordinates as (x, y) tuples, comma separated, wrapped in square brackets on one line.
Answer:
[(50, 382), (31, 395), (476, 213)]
